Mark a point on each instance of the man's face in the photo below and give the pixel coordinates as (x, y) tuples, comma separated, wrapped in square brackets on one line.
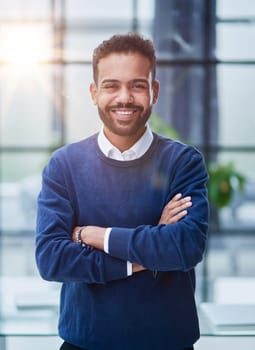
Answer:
[(124, 94)]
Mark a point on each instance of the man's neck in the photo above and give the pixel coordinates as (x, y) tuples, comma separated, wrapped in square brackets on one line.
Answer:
[(123, 143)]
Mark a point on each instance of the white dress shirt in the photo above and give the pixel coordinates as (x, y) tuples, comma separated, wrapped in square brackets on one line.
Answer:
[(136, 151)]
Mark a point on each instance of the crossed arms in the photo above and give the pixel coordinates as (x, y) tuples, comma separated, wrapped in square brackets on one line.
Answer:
[(176, 242), (94, 236)]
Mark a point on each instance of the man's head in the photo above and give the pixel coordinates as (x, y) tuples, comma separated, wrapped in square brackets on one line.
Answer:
[(127, 43), (124, 87)]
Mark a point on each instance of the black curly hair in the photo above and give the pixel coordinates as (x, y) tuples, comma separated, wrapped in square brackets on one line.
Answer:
[(131, 42)]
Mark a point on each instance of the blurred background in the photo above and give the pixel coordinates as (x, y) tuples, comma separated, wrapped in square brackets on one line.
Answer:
[(206, 67)]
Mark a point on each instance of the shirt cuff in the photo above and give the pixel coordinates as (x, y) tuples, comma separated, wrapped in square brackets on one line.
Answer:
[(129, 268), (106, 239), (106, 250)]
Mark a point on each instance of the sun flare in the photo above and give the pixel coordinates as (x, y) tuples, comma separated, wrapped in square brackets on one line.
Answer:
[(22, 48), (24, 44)]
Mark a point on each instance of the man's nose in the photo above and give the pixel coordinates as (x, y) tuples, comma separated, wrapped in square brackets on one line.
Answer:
[(125, 95)]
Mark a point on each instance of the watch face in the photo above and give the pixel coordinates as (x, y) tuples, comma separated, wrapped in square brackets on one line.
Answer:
[(78, 236)]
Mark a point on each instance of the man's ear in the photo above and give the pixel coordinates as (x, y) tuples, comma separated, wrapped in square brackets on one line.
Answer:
[(93, 92), (155, 91)]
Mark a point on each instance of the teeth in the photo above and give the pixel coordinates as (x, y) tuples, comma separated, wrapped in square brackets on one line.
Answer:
[(124, 112)]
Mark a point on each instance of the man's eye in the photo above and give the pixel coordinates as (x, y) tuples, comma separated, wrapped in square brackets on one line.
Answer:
[(139, 86), (110, 86)]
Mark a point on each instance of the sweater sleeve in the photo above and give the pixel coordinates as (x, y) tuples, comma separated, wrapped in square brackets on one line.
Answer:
[(57, 257), (178, 246)]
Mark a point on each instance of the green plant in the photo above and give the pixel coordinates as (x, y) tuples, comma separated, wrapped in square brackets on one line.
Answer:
[(158, 125), (223, 181)]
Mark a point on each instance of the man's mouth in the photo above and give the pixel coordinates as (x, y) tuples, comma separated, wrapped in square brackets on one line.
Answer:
[(125, 111)]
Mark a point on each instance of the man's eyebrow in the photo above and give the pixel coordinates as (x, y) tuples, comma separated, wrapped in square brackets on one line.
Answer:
[(136, 80), (139, 80), (109, 81)]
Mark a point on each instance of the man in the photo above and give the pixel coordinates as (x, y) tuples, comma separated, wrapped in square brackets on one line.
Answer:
[(123, 216)]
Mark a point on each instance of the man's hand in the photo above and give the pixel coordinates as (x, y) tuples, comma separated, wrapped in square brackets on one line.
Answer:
[(137, 268), (175, 209), (91, 235)]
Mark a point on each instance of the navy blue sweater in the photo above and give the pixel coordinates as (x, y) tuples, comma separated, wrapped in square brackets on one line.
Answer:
[(101, 308)]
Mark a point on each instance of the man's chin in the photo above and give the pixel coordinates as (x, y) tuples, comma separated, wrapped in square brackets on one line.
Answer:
[(127, 130)]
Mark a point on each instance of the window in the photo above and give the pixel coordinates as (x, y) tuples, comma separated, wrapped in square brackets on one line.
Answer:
[(206, 65)]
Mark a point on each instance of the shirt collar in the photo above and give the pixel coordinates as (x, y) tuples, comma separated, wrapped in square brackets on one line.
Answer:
[(136, 151)]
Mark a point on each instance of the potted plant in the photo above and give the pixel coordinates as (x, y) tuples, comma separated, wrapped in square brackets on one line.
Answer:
[(159, 125), (224, 181)]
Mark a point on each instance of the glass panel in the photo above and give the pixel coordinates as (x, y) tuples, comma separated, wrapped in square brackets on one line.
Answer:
[(25, 42), (238, 216), (235, 8), (244, 162), (18, 166), (81, 114), (234, 41), (98, 9), (236, 105), (29, 109), (181, 99), (25, 297), (179, 30), (25, 9), (90, 23), (80, 43), (19, 187), (146, 9)]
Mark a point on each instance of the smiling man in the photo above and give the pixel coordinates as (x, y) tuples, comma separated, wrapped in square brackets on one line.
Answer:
[(123, 217), (124, 96)]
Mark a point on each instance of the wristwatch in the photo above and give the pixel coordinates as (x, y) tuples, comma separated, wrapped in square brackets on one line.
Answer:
[(78, 235)]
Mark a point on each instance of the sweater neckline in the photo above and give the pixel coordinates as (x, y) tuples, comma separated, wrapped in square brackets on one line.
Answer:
[(126, 163)]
